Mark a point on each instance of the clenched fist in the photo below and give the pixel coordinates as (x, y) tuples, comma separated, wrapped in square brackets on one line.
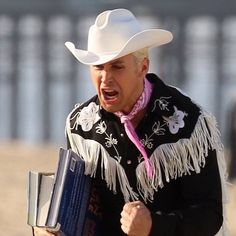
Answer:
[(136, 219)]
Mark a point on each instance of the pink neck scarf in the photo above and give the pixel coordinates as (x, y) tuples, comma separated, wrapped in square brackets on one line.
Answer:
[(129, 128)]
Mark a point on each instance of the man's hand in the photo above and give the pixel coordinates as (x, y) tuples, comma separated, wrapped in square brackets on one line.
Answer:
[(44, 232), (136, 219)]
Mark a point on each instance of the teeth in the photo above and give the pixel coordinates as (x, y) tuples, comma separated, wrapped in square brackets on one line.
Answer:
[(110, 93)]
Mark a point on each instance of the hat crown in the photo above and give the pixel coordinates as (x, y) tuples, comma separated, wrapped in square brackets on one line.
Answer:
[(111, 31), (117, 33)]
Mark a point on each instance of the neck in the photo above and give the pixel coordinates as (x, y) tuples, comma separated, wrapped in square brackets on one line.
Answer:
[(138, 117), (140, 104), (136, 97)]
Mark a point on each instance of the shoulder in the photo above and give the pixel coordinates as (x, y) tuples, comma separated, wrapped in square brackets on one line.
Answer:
[(85, 105), (181, 117), (84, 112), (163, 90), (170, 103), (80, 106)]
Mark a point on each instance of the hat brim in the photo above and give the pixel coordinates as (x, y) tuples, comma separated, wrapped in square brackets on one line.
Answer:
[(144, 39)]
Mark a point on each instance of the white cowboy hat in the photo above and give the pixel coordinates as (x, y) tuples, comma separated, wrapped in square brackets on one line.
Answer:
[(117, 33)]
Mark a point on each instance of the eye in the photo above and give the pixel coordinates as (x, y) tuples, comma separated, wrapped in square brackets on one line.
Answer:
[(117, 67), (98, 67)]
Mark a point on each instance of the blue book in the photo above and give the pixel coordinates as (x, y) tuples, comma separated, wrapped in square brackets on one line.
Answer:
[(73, 201)]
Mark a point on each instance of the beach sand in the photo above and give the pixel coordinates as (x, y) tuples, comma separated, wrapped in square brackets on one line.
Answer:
[(16, 160)]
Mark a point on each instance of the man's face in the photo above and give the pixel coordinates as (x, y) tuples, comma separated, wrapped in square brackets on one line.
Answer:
[(119, 83)]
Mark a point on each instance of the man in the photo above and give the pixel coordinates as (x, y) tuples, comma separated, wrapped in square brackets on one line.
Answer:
[(155, 156)]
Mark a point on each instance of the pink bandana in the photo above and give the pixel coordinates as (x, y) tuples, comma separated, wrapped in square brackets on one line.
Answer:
[(129, 129)]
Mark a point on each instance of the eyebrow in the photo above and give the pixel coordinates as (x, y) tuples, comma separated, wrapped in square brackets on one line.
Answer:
[(118, 61)]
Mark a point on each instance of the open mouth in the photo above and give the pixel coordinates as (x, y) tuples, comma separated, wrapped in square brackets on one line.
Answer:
[(110, 94)]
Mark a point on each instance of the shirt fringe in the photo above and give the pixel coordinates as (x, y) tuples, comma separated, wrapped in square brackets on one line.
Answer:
[(173, 160), (186, 155), (169, 161), (111, 170)]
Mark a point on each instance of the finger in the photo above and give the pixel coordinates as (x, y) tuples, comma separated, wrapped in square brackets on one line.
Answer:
[(53, 231), (134, 204), (125, 229), (130, 205), (42, 232), (126, 211), (125, 218)]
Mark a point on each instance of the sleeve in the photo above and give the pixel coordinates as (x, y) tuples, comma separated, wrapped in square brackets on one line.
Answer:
[(201, 208)]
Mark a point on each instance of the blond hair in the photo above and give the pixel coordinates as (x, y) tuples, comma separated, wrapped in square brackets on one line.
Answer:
[(141, 54)]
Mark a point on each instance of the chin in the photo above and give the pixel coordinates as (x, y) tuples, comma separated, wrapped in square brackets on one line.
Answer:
[(110, 108)]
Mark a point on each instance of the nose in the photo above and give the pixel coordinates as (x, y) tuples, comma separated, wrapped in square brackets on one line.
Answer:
[(106, 77)]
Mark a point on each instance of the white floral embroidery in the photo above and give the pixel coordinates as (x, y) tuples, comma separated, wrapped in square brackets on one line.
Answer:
[(101, 127), (140, 158), (157, 129), (176, 121), (88, 116), (147, 142), (111, 142), (162, 102)]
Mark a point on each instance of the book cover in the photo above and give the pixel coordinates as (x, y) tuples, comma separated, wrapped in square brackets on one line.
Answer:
[(73, 205)]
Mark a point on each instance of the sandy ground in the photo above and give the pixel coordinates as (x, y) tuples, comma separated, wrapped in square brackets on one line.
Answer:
[(16, 160)]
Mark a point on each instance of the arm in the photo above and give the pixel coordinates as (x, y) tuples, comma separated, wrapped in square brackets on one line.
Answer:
[(201, 211)]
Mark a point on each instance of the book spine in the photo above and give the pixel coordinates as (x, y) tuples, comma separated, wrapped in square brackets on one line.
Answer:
[(33, 192), (64, 159)]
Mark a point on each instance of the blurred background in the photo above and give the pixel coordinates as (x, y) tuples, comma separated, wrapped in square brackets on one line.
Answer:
[(40, 81)]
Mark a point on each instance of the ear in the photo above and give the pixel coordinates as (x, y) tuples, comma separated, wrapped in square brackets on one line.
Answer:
[(145, 66)]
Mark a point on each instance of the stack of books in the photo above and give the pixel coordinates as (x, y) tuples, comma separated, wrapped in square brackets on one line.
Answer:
[(65, 201)]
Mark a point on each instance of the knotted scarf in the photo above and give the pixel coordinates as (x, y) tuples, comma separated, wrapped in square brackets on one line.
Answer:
[(129, 128)]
